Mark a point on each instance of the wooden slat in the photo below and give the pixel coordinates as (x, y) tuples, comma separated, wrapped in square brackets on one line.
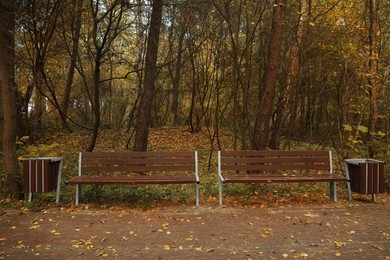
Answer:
[(272, 160), (229, 153), (137, 160), (137, 168), (140, 179), (274, 167), (131, 154), (264, 178)]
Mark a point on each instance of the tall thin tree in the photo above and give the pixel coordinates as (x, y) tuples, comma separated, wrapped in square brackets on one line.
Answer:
[(267, 93), (144, 115), (8, 90)]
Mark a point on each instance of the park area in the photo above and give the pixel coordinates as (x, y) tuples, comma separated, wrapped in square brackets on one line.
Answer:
[(288, 221), (322, 230), (277, 113)]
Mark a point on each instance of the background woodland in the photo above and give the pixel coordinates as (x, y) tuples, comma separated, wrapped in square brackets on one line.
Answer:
[(268, 74)]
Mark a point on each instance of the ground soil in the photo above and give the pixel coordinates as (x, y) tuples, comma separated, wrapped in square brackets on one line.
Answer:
[(342, 230)]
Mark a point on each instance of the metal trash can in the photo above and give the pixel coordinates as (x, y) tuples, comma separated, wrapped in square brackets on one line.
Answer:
[(366, 176), (41, 175)]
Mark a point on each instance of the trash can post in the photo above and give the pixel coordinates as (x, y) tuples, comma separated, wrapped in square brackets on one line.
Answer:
[(59, 176), (348, 180)]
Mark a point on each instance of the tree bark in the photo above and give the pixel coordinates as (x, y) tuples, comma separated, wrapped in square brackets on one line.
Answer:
[(144, 115), (262, 124), (292, 80), (372, 81), (8, 87), (76, 28)]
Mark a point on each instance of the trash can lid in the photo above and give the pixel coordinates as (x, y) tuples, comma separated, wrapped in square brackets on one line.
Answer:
[(362, 160)]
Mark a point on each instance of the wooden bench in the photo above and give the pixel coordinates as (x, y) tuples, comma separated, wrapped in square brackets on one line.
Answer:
[(134, 168), (278, 167)]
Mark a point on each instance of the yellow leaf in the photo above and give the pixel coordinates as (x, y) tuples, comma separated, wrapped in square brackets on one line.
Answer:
[(337, 254), (166, 247), (2, 238), (312, 24)]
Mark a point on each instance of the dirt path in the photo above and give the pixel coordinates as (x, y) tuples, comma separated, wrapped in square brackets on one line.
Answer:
[(325, 232)]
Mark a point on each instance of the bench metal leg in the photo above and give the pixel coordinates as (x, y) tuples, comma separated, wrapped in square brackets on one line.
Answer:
[(77, 194), (333, 191), (220, 191), (30, 196), (197, 194)]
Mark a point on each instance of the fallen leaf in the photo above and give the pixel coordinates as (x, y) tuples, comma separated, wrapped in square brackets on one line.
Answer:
[(339, 244), (378, 247), (311, 215)]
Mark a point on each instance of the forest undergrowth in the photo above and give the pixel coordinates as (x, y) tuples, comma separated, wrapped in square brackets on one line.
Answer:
[(68, 145)]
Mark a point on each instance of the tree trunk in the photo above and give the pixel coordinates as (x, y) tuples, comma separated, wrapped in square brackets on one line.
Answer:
[(262, 125), (8, 87), (176, 80), (144, 116), (372, 81), (78, 7), (292, 79)]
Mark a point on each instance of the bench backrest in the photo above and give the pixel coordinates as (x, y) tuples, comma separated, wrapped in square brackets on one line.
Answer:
[(112, 162), (265, 160)]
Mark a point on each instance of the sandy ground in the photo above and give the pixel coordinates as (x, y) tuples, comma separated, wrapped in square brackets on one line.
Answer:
[(330, 231)]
